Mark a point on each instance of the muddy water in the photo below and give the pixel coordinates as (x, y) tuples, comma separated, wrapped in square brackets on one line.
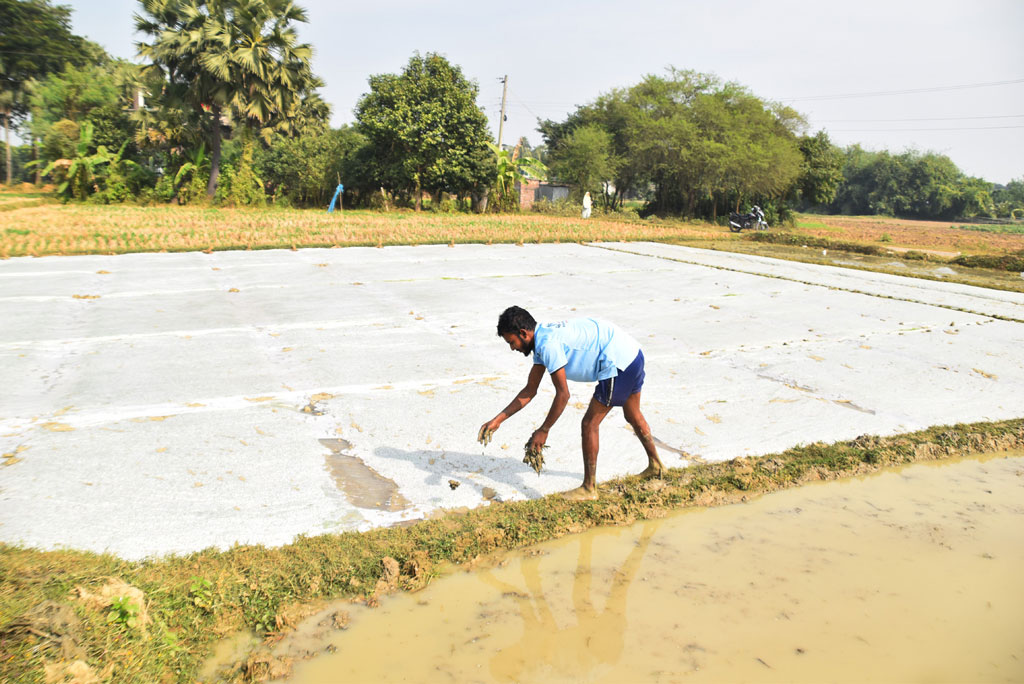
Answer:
[(914, 575)]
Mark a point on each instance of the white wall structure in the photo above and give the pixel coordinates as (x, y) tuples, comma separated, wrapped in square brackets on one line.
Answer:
[(154, 403)]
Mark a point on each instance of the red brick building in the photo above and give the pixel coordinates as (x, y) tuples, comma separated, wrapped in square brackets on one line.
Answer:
[(533, 190)]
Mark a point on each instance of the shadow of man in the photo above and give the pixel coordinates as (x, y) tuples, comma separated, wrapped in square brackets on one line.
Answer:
[(440, 465)]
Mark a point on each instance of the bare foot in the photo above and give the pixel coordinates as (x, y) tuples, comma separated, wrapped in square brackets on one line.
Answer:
[(580, 494), (653, 470)]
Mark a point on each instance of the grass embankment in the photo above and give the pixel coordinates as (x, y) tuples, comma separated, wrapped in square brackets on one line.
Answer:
[(192, 600), (999, 271)]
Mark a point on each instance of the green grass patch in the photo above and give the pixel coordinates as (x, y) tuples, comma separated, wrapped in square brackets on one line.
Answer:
[(998, 228), (192, 600), (817, 225)]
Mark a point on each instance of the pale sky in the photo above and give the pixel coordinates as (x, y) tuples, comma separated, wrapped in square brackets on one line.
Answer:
[(944, 75)]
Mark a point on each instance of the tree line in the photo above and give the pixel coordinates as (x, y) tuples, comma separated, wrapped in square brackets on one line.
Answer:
[(226, 109)]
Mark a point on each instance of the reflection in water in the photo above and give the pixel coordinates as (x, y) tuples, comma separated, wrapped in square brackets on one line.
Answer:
[(912, 575), (597, 637)]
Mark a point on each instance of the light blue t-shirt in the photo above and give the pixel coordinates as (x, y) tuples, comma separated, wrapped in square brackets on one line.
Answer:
[(588, 348)]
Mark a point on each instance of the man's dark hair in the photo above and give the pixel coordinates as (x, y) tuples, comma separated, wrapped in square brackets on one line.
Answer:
[(513, 319)]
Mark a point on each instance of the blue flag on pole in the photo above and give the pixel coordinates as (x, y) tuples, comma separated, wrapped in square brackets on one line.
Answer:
[(337, 193)]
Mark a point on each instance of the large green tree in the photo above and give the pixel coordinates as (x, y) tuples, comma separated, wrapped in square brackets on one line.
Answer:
[(585, 159), (698, 142), (617, 115), (912, 184), (101, 92), (305, 169), (35, 40), (231, 63), (425, 131), (1009, 199), (821, 171)]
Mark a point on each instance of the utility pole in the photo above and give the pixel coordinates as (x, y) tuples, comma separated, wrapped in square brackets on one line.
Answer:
[(501, 121)]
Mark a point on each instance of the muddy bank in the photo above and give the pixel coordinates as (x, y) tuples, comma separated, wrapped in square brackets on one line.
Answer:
[(199, 599), (910, 574)]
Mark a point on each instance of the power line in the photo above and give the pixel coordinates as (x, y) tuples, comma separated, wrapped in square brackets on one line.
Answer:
[(939, 118), (907, 91), (524, 105), (909, 130)]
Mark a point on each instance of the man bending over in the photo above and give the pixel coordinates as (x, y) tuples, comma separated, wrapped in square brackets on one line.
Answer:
[(582, 350)]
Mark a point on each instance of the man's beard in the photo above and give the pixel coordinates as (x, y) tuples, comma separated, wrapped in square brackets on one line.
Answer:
[(526, 351)]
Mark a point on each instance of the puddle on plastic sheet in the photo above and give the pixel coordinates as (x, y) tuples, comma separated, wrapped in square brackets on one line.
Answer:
[(691, 458), (850, 405), (362, 485), (913, 575)]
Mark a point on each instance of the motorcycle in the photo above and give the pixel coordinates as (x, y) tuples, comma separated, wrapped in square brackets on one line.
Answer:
[(754, 219)]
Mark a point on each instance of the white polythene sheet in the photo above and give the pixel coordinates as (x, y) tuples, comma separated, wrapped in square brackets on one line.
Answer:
[(153, 403)]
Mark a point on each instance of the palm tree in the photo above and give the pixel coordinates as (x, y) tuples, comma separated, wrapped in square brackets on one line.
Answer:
[(231, 62)]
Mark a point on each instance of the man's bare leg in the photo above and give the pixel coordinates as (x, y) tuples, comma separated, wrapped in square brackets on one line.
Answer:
[(631, 410), (590, 428)]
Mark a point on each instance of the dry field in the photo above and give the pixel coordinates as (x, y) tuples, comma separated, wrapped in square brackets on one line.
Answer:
[(908, 234), (33, 226), (87, 229)]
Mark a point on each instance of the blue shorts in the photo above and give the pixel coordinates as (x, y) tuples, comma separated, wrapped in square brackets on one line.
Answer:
[(615, 391)]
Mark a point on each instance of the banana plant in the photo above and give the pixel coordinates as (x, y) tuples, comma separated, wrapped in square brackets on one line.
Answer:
[(196, 162), (514, 168), (79, 177)]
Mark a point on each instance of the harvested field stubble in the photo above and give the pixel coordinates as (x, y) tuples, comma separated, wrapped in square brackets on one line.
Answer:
[(192, 600), (51, 229), (934, 235), (86, 229)]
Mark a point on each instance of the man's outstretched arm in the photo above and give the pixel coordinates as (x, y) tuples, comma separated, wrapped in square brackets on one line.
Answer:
[(522, 399), (540, 435)]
